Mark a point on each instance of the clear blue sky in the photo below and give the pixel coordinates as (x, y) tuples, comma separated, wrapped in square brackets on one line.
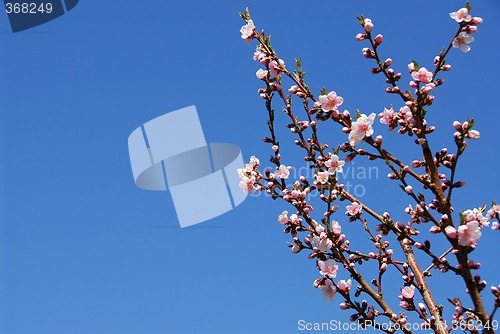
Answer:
[(84, 251)]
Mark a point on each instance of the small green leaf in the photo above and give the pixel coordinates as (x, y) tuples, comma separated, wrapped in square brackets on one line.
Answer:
[(358, 114), (246, 15), (415, 65), (468, 6)]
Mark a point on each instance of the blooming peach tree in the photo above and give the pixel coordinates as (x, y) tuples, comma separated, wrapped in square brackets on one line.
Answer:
[(318, 232)]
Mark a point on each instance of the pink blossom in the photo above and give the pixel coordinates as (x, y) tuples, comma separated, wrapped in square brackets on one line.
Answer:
[(260, 57), (320, 229), (461, 15), (387, 116), (253, 164), (469, 233), (475, 215), (322, 242), (495, 210), (411, 67), (282, 172), (422, 75), (344, 285), (247, 184), (406, 115), (331, 101), (283, 218), (329, 290), (276, 67), (408, 292), (294, 219), (247, 30), (322, 177), (261, 74), (328, 268), (354, 209), (361, 128), (334, 164), (462, 41), (335, 227), (451, 232)]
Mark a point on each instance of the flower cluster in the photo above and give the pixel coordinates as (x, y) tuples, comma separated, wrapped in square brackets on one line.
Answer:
[(361, 128), (469, 231), (430, 190), (469, 25), (250, 176)]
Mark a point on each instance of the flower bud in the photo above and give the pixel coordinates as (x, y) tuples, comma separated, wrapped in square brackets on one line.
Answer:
[(476, 21), (451, 232), (422, 308), (360, 37)]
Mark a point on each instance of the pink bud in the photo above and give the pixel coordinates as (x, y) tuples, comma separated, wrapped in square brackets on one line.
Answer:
[(294, 89), (473, 134), (296, 248), (434, 229), (411, 67), (360, 37), (471, 29), (476, 21), (368, 25), (451, 232), (409, 189), (378, 39), (405, 305), (422, 308)]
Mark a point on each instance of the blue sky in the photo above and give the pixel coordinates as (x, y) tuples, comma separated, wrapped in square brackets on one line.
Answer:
[(83, 250)]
